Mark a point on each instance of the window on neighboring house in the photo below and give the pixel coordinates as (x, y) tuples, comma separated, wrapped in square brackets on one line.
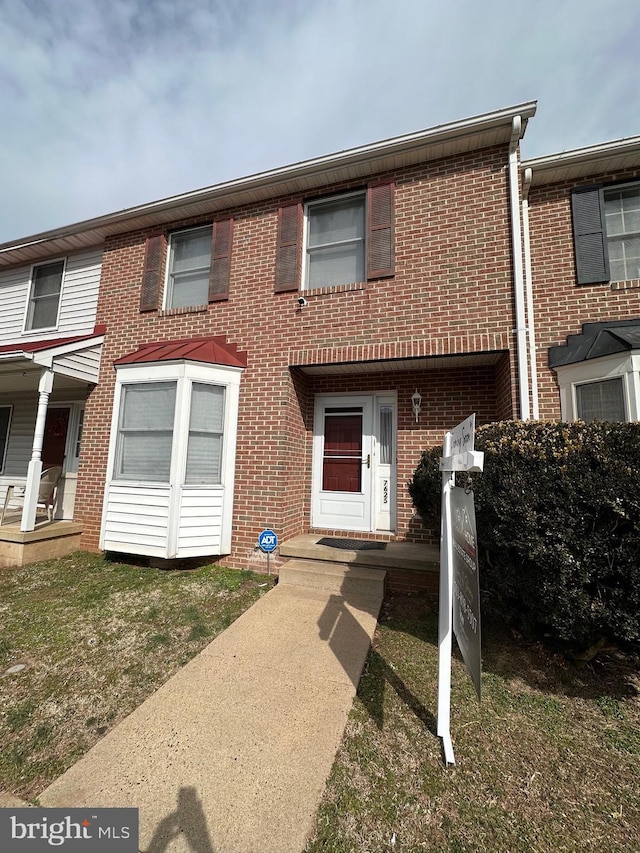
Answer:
[(44, 296), (145, 432), (335, 241), (188, 268), (601, 401), (622, 221), (5, 420)]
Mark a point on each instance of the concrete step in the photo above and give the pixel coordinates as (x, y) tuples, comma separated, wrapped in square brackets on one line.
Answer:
[(334, 578)]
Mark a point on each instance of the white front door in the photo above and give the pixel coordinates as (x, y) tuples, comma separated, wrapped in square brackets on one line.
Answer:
[(353, 484)]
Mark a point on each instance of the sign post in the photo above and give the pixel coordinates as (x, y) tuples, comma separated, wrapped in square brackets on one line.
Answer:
[(268, 542), (458, 454)]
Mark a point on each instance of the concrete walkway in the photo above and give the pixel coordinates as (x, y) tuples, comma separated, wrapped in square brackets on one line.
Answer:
[(232, 753)]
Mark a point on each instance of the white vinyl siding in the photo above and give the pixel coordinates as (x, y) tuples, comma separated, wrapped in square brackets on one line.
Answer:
[(77, 314), (136, 520), (200, 523)]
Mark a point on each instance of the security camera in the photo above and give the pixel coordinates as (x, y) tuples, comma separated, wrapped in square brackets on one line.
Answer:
[(302, 302)]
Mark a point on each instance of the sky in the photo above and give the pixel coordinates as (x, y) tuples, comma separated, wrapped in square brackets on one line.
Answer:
[(107, 104)]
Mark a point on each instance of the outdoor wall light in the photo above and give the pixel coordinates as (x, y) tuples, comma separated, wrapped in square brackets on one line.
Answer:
[(416, 403)]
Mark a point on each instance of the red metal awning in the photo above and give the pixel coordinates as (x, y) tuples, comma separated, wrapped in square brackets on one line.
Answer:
[(213, 350)]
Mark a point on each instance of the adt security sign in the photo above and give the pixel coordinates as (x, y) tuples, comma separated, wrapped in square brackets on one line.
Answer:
[(268, 541)]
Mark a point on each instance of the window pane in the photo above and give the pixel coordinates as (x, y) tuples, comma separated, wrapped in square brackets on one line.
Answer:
[(386, 432), (204, 451), (336, 221), (339, 265), (601, 401), (45, 295), (190, 289), (145, 436), (44, 312), (189, 266), (191, 250)]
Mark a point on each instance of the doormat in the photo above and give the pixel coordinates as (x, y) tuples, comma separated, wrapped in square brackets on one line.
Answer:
[(352, 544)]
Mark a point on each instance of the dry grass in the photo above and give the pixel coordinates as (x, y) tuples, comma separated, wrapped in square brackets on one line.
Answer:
[(548, 761), (98, 637)]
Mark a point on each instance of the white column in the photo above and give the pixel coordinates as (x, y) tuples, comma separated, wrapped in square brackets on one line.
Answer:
[(35, 465)]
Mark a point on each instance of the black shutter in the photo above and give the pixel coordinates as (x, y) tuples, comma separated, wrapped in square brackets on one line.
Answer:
[(153, 261), (222, 240), (589, 235), (288, 250), (380, 226)]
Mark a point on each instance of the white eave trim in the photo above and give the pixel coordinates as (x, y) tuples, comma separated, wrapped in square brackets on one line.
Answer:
[(380, 156), (582, 162)]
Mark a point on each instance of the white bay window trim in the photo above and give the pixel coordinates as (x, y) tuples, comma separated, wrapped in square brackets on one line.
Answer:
[(623, 366), (174, 518)]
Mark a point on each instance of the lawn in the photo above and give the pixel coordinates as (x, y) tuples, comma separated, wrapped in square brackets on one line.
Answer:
[(84, 640), (547, 761)]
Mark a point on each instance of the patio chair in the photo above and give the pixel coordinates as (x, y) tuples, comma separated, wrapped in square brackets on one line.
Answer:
[(47, 493)]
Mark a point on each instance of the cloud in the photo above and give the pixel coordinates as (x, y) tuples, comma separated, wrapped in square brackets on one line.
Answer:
[(107, 105)]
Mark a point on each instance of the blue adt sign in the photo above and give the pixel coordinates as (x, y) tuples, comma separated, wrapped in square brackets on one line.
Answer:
[(268, 541)]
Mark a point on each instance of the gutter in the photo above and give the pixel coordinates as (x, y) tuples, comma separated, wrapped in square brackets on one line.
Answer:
[(533, 361), (518, 277)]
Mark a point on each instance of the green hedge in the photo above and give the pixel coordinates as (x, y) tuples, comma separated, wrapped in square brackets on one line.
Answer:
[(558, 516)]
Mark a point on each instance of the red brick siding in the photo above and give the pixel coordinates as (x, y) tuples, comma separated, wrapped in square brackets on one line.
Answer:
[(451, 294), (561, 305)]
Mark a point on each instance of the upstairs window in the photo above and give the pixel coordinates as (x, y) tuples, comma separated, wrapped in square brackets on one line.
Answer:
[(335, 241), (606, 230), (44, 296), (188, 268), (622, 220), (342, 239)]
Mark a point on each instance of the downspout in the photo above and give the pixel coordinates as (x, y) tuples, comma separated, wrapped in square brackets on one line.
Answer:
[(518, 277), (528, 280)]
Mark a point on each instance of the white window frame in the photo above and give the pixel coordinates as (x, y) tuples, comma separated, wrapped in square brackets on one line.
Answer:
[(168, 283), (308, 209), (28, 317), (623, 365), (3, 450), (620, 238)]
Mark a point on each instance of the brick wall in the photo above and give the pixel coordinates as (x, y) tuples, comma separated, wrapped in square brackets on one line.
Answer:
[(451, 295), (561, 305)]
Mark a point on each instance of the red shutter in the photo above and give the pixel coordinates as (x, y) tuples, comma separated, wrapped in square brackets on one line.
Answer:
[(153, 261), (288, 250), (380, 248), (220, 259)]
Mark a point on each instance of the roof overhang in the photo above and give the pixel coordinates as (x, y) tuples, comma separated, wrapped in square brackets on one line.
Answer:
[(597, 341), (356, 164), (394, 365), (213, 350), (74, 360), (585, 162)]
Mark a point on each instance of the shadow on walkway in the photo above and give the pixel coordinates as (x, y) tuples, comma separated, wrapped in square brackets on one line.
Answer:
[(188, 819)]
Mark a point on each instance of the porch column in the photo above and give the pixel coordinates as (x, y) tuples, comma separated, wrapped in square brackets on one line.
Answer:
[(34, 470)]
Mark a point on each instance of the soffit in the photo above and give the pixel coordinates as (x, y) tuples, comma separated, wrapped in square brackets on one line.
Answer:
[(357, 164), (440, 362), (589, 162)]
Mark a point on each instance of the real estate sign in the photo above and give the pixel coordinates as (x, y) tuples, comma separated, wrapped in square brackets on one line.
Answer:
[(466, 584)]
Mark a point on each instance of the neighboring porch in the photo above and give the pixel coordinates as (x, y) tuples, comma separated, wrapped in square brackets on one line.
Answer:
[(43, 389), (409, 566), (46, 542)]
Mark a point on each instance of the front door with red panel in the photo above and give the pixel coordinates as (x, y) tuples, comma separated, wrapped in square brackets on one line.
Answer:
[(342, 463), (55, 436)]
